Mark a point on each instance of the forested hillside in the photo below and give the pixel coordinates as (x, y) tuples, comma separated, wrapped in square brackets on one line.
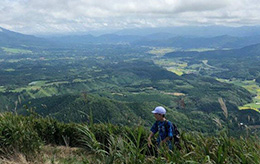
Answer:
[(122, 83), (98, 97)]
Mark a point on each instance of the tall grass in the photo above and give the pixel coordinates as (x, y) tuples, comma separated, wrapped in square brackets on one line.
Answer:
[(129, 146), (17, 135), (107, 143), (27, 134)]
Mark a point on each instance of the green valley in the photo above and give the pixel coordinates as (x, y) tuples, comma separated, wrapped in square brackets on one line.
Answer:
[(96, 93), (122, 83)]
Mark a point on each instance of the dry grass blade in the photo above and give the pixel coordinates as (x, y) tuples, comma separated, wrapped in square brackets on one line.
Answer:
[(223, 107), (15, 108), (19, 100), (15, 159), (218, 122)]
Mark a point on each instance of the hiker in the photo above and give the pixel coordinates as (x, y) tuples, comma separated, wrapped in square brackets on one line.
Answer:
[(163, 126)]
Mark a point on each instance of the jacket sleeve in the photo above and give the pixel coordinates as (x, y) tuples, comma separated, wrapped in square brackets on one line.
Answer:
[(154, 128)]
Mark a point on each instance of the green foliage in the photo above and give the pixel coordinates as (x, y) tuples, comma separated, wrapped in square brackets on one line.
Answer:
[(53, 132), (88, 140), (197, 148), (76, 108), (27, 134), (69, 108), (107, 143), (240, 63), (258, 79), (121, 83), (18, 135)]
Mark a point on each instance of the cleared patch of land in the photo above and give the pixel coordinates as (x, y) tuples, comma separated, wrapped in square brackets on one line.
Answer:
[(174, 66), (174, 93), (161, 51), (9, 70), (16, 50), (2, 89), (201, 49)]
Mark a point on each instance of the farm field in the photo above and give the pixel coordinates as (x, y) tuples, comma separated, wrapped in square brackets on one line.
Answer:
[(253, 88), (174, 66), (85, 82), (16, 50), (2, 89), (160, 51), (112, 79)]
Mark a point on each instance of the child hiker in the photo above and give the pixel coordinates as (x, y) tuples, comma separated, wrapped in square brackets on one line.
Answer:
[(163, 126)]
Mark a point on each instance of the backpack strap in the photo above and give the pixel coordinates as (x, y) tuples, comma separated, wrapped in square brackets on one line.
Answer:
[(166, 126), (174, 130)]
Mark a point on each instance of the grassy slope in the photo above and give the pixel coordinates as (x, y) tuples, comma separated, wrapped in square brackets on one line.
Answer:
[(102, 143)]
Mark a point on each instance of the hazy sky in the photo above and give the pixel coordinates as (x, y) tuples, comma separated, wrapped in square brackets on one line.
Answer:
[(58, 16)]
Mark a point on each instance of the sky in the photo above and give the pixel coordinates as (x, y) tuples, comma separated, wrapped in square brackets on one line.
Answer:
[(70, 16)]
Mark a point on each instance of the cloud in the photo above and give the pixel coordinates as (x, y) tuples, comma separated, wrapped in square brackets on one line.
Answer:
[(60, 16)]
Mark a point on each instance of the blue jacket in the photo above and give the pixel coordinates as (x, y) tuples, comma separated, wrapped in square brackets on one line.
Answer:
[(163, 133)]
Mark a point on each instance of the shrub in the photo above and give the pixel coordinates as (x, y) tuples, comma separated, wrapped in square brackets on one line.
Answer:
[(57, 133), (17, 135)]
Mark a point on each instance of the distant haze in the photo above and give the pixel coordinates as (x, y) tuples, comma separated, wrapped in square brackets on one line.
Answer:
[(196, 31), (85, 16)]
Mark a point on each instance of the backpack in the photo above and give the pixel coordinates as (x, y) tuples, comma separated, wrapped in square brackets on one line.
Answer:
[(176, 134)]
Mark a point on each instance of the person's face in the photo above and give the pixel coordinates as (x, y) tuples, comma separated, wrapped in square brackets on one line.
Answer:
[(158, 116)]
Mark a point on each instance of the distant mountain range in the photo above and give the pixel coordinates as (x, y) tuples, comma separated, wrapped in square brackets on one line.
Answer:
[(245, 52), (162, 39), (195, 31), (14, 39), (218, 42)]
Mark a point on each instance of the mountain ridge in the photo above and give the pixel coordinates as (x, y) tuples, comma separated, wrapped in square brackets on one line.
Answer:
[(160, 39), (15, 39)]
